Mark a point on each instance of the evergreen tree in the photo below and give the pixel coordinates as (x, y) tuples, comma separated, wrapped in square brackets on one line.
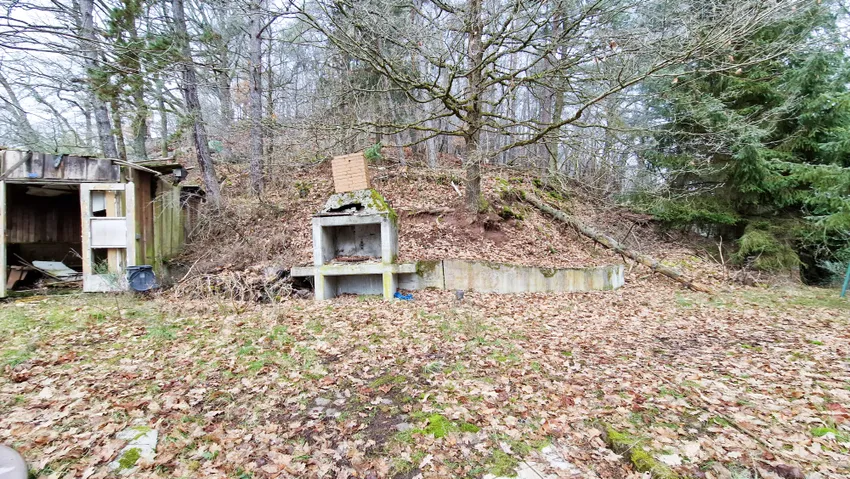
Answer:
[(762, 153)]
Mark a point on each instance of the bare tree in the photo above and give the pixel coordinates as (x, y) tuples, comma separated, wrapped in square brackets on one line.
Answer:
[(483, 56), (189, 87), (255, 66), (91, 48)]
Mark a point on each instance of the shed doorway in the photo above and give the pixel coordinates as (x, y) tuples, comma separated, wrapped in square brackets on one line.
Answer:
[(69, 235), (43, 226)]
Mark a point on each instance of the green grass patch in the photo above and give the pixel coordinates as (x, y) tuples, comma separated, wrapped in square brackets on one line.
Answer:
[(502, 464), (840, 436)]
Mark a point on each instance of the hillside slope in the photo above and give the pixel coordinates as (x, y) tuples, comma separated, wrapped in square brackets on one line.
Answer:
[(433, 224)]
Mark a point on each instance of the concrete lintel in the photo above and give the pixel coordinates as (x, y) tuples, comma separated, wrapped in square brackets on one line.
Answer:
[(348, 220), (357, 268), (302, 271), (306, 271)]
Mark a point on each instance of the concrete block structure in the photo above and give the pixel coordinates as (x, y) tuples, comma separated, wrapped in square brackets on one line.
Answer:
[(355, 250), (489, 277), (355, 246)]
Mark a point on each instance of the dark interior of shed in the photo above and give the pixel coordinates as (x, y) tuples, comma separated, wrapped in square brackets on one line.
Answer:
[(43, 224)]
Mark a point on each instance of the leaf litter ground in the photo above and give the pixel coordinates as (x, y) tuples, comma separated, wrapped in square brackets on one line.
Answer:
[(750, 383)]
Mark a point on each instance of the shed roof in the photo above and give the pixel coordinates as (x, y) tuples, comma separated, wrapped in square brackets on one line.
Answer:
[(18, 166)]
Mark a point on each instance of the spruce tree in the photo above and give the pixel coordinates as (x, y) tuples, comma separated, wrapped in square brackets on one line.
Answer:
[(762, 154)]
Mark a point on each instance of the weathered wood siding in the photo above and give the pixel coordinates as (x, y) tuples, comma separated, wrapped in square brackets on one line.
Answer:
[(145, 186), (168, 221), (161, 219), (41, 167)]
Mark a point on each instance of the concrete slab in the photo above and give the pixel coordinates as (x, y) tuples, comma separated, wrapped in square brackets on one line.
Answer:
[(141, 444)]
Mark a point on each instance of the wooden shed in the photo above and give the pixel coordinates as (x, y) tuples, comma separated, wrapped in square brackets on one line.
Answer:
[(95, 216)]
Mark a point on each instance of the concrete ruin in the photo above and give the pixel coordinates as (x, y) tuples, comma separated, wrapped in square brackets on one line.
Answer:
[(355, 250), (355, 246)]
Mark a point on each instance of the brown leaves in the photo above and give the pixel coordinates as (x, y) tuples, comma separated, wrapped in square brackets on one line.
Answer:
[(307, 389)]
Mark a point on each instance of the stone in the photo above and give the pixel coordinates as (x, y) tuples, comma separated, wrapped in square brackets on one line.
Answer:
[(141, 445), (322, 401), (403, 427), (12, 465)]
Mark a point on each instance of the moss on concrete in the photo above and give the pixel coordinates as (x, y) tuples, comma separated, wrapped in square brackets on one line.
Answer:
[(380, 204), (129, 458), (369, 199), (548, 272), (426, 267), (492, 265), (642, 460)]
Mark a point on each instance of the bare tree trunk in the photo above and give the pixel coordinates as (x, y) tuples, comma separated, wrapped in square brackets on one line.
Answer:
[(140, 126), (140, 120), (553, 141), (472, 135), (89, 127), (163, 117), (29, 136), (90, 50), (255, 60), (268, 131), (225, 100), (118, 130), (554, 101), (193, 107)]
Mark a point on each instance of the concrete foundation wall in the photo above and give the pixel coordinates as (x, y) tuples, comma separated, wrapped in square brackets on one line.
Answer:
[(360, 284), (480, 276), (487, 277)]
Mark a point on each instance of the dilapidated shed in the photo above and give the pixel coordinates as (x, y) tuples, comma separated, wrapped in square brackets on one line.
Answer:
[(96, 216)]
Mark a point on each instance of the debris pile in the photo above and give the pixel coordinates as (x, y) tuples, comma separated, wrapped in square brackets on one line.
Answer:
[(264, 285)]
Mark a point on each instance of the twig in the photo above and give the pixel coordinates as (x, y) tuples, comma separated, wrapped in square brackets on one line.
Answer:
[(193, 267), (706, 407)]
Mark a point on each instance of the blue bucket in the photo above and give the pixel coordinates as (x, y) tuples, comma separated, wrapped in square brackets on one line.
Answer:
[(141, 278)]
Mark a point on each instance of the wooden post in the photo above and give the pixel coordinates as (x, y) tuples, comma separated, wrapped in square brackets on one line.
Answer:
[(113, 207), (85, 212), (846, 282), (2, 230), (130, 217)]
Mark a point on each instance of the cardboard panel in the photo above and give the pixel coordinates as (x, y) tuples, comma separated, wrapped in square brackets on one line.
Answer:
[(108, 233), (350, 173)]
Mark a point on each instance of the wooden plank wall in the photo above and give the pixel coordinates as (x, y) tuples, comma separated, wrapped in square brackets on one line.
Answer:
[(162, 218), (37, 219), (168, 221), (145, 186)]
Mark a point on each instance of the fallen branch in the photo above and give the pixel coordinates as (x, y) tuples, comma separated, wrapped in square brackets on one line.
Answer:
[(613, 244), (437, 211)]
